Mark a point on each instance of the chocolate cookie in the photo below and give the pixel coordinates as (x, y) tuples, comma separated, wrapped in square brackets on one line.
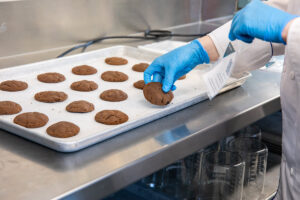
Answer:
[(182, 77), (31, 119), (84, 70), (154, 94), (139, 84), (114, 76), (116, 61), (113, 95), (50, 96), (63, 129), (111, 117), (84, 86), (9, 108), (51, 77), (13, 86), (80, 107), (141, 67)]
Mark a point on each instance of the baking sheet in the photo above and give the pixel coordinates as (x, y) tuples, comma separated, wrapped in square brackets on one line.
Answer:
[(189, 91)]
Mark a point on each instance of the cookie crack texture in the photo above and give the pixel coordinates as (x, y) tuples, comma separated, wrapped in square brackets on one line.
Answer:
[(154, 94), (113, 95), (50, 96), (111, 117), (13, 86), (84, 86), (114, 76)]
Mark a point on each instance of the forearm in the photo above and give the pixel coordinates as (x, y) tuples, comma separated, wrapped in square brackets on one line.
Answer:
[(257, 54), (285, 31), (210, 48)]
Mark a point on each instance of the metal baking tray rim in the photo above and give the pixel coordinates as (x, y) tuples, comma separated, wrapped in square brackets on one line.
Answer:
[(74, 145)]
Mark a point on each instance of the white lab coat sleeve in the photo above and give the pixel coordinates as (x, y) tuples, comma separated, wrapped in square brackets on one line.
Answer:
[(249, 56), (280, 4), (293, 41)]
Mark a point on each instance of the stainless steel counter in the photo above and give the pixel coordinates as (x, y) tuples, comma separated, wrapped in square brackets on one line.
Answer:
[(30, 171)]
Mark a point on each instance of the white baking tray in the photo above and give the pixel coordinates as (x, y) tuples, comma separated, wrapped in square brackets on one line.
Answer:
[(189, 91), (163, 46)]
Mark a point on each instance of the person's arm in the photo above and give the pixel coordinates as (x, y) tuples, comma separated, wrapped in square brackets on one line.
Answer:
[(293, 41), (258, 52), (210, 48), (257, 55), (285, 31), (171, 66)]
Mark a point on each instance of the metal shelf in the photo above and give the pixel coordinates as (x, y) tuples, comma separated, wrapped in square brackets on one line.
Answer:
[(104, 168)]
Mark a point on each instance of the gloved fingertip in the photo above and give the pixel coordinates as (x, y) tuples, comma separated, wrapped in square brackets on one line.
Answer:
[(245, 38), (231, 36), (157, 77), (147, 79), (166, 88), (248, 41), (173, 88)]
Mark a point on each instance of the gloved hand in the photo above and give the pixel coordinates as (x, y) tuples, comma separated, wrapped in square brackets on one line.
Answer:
[(171, 66), (258, 20)]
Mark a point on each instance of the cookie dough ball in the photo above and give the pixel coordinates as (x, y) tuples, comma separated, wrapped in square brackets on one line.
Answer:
[(154, 94), (84, 70), (113, 95), (63, 129), (31, 119), (182, 77), (84, 86), (116, 61), (111, 117), (50, 96), (51, 77), (13, 86), (114, 76), (141, 67), (80, 107), (139, 84), (9, 108)]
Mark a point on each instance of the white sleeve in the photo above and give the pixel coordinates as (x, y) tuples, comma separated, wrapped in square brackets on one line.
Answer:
[(249, 56), (292, 47), (280, 4)]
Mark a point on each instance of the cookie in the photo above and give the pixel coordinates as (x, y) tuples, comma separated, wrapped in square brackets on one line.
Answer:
[(9, 108), (114, 76), (51, 77), (50, 96), (84, 86), (139, 84), (80, 107), (113, 95), (141, 67), (154, 94), (63, 129), (111, 117), (84, 70), (31, 119), (13, 86), (182, 77), (116, 61)]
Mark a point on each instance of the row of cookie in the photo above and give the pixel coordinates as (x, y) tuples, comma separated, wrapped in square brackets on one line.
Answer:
[(60, 129), (84, 85), (112, 95), (54, 77)]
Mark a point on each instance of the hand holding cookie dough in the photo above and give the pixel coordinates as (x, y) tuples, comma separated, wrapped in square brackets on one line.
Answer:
[(154, 94), (171, 66)]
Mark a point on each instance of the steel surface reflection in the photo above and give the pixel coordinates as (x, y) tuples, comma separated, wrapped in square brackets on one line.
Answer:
[(173, 135)]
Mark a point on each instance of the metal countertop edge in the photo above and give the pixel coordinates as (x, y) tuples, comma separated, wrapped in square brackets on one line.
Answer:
[(127, 175)]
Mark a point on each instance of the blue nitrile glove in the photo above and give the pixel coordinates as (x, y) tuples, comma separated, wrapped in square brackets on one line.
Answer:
[(171, 66), (258, 20)]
